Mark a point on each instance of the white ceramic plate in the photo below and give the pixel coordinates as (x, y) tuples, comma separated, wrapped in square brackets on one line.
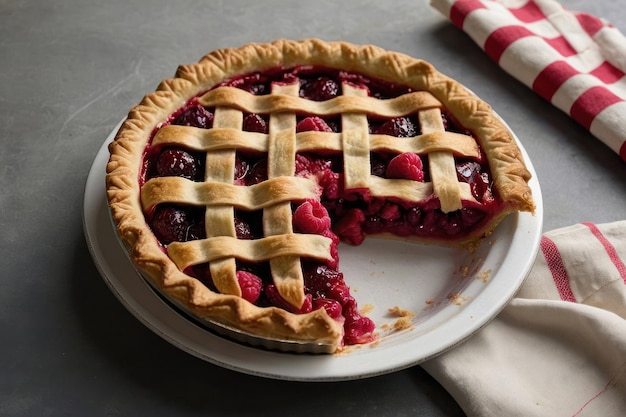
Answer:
[(452, 294)]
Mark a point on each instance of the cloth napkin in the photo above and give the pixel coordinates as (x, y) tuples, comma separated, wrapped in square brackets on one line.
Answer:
[(559, 348), (574, 60)]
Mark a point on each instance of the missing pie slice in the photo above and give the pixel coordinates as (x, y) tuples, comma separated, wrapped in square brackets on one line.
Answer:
[(233, 183)]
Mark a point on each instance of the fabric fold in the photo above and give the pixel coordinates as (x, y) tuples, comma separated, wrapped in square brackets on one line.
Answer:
[(559, 347), (574, 60)]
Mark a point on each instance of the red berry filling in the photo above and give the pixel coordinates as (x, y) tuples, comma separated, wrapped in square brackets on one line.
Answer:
[(346, 215), (255, 123), (177, 163), (406, 166), (316, 124), (250, 284), (311, 217), (401, 127)]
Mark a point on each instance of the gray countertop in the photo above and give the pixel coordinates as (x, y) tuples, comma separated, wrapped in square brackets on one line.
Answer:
[(70, 70)]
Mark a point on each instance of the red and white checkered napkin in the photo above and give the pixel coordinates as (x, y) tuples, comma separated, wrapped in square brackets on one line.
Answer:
[(576, 61), (559, 348)]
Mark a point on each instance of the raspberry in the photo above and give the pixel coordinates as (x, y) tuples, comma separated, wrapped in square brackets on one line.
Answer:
[(307, 164), (407, 165), (311, 217), (401, 127), (359, 331), (331, 235), (277, 300), (313, 123), (320, 89), (333, 188), (177, 163), (303, 165), (250, 284), (196, 116), (255, 123), (333, 308)]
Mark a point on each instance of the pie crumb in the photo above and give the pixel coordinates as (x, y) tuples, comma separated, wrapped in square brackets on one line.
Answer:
[(366, 309), (465, 272), (457, 298), (399, 312), (403, 323), (485, 275)]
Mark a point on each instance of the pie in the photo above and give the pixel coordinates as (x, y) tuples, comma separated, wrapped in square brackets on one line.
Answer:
[(232, 184)]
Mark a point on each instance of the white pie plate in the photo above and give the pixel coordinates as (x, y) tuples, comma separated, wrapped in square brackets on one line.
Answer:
[(452, 294)]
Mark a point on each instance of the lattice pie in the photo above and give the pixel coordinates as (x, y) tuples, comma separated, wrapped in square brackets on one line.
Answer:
[(233, 183)]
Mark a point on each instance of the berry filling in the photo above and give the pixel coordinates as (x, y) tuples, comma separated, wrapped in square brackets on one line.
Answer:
[(340, 214)]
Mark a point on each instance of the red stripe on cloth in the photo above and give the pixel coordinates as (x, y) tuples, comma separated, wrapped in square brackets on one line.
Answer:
[(610, 250), (528, 13), (555, 74), (503, 37), (589, 23), (557, 269), (622, 151), (552, 77), (607, 73), (591, 103), (562, 46), (460, 9)]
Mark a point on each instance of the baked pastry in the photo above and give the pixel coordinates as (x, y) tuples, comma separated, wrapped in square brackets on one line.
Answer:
[(232, 184)]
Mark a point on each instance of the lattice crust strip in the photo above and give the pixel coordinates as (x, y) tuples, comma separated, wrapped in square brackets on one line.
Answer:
[(278, 103), (220, 221), (280, 246), (441, 163), (199, 139), (254, 197), (277, 219)]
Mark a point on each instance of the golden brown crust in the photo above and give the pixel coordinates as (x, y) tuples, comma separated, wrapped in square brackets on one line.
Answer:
[(123, 169)]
